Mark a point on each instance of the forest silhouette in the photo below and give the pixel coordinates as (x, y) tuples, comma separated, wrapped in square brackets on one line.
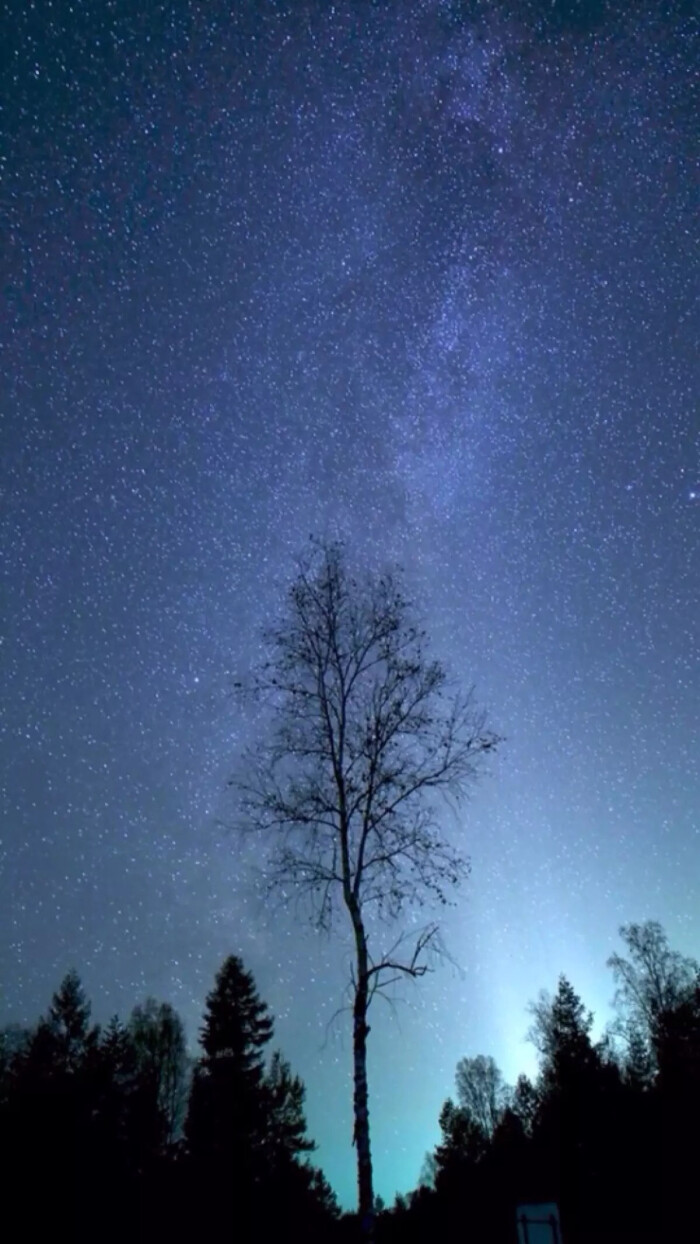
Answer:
[(118, 1132)]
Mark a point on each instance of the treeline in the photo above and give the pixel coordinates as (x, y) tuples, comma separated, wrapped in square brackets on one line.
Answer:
[(117, 1133), (610, 1129)]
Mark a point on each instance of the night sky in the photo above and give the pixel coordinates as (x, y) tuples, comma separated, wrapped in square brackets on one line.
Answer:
[(419, 274)]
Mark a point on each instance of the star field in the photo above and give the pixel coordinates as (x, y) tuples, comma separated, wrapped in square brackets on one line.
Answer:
[(422, 274)]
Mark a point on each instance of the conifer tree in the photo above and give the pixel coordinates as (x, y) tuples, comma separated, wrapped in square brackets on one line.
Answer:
[(562, 1034), (226, 1119), (69, 1020), (287, 1136)]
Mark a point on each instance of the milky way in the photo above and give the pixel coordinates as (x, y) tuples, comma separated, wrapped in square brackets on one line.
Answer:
[(418, 274)]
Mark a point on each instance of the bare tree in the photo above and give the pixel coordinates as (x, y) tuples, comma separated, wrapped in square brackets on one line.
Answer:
[(159, 1040), (481, 1091), (654, 979), (364, 735)]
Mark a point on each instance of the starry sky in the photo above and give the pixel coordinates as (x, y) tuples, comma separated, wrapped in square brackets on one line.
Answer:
[(418, 273)]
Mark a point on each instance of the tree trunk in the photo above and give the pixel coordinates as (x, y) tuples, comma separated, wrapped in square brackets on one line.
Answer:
[(361, 1096)]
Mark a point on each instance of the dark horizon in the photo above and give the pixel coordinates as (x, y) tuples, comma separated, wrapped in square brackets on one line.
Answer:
[(195, 1143)]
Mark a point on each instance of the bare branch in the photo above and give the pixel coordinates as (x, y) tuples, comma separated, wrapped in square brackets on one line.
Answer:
[(414, 967), (365, 745)]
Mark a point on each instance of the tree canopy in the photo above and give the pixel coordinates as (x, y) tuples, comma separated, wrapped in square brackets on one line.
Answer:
[(365, 740)]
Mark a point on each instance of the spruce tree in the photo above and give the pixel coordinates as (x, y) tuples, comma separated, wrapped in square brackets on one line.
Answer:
[(226, 1120), (53, 1110), (287, 1136), (69, 1020)]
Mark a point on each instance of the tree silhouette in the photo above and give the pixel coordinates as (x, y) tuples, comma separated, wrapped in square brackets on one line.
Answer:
[(464, 1143), (363, 737), (293, 1191), (524, 1103), (50, 1107), (68, 1024), (86, 1115), (578, 1126), (245, 1128), (158, 1039), (226, 1115), (609, 1134), (115, 1088), (225, 1128), (286, 1126), (678, 1043), (561, 1033), (651, 980), (481, 1092), (677, 1052), (13, 1042)]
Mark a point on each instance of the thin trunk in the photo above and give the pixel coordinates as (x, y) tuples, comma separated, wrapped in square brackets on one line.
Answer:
[(361, 1096), (360, 1031)]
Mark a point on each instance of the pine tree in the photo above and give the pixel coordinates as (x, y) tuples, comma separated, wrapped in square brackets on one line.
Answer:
[(69, 1024), (562, 1034), (115, 1086), (245, 1129), (226, 1120), (52, 1109), (575, 1119)]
